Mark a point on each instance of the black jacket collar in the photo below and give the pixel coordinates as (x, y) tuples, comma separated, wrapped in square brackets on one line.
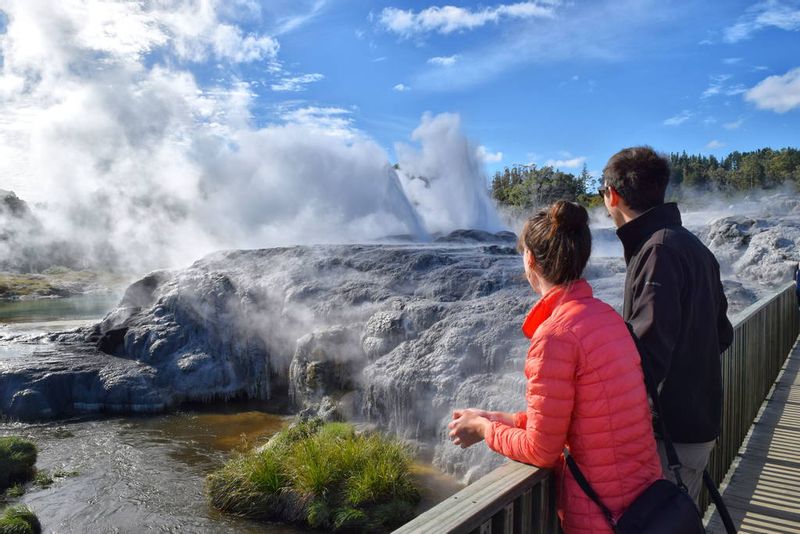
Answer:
[(634, 233)]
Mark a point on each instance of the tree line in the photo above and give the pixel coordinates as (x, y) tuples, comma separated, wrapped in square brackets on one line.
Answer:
[(526, 186)]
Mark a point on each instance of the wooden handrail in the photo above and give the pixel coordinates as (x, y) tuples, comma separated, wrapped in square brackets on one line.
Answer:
[(518, 498)]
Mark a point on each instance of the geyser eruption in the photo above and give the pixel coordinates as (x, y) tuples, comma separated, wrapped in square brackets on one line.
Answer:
[(123, 151)]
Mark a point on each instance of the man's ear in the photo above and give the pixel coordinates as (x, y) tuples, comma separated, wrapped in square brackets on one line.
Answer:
[(613, 197)]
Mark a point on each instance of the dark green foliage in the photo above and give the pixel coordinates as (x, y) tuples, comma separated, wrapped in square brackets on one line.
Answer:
[(19, 520), (738, 171), (326, 476), (526, 186), (17, 458)]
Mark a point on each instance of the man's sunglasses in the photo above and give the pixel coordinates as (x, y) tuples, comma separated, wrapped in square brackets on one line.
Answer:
[(603, 189)]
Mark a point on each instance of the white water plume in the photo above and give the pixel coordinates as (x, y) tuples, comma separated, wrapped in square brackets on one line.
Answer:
[(108, 131)]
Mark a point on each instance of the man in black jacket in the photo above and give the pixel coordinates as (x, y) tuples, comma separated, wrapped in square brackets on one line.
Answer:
[(675, 304)]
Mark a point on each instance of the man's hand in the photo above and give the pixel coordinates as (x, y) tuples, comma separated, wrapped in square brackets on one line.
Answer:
[(468, 427)]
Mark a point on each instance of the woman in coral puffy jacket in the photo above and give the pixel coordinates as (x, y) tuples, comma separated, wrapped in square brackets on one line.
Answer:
[(585, 388)]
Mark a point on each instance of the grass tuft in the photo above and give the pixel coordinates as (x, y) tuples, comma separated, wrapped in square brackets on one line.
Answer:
[(324, 475), (17, 458), (19, 520), (43, 479)]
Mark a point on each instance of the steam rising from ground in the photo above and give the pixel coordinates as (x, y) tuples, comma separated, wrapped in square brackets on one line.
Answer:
[(125, 152)]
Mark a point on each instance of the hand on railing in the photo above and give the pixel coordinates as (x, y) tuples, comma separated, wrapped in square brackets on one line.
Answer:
[(468, 427)]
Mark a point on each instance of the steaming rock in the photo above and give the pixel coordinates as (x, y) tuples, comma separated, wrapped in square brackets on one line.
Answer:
[(398, 335), (759, 252)]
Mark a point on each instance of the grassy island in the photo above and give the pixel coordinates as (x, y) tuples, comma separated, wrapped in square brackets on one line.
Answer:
[(326, 476), (17, 460), (19, 520)]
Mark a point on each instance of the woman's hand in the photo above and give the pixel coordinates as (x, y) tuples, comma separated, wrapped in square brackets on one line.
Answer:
[(468, 427)]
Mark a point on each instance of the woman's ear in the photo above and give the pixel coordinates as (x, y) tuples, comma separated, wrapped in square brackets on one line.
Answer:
[(530, 261)]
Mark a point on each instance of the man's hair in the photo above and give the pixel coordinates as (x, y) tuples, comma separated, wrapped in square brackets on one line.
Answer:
[(640, 175)]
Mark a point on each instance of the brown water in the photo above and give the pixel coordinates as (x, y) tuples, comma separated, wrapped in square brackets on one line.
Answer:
[(147, 473), (138, 474)]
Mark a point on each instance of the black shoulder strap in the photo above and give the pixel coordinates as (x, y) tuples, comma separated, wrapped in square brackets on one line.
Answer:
[(588, 490), (652, 390), (672, 455)]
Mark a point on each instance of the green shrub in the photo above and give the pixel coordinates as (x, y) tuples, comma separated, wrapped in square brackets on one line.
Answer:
[(19, 520), (325, 476), (17, 458)]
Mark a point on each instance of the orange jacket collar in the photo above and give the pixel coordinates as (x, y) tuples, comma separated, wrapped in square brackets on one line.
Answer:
[(553, 299)]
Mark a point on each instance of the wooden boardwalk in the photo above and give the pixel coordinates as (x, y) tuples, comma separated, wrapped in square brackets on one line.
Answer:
[(763, 490)]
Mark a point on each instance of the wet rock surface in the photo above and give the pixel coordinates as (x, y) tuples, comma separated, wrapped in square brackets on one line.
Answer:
[(396, 335)]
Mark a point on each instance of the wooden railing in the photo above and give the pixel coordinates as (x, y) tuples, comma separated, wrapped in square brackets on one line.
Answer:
[(763, 336), (518, 498)]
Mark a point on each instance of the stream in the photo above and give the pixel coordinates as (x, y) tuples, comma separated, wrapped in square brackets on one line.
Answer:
[(144, 473)]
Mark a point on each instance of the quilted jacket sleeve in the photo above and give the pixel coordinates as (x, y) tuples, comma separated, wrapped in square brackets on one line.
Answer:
[(550, 368)]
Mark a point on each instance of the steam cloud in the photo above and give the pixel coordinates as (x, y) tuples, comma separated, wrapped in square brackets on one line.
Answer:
[(124, 152)]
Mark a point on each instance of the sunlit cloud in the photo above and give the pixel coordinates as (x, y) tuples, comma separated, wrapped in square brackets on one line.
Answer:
[(766, 14), (678, 119), (296, 83), (571, 163), (489, 157), (777, 93), (449, 19), (443, 61)]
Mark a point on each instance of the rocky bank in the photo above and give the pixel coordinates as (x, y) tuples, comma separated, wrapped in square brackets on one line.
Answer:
[(398, 335)]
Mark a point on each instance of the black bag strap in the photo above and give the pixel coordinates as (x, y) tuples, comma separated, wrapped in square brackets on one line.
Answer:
[(588, 490), (672, 455), (652, 390), (724, 514)]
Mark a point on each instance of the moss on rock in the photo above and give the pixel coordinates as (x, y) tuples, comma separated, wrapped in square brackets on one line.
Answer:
[(326, 476), (17, 458), (19, 520)]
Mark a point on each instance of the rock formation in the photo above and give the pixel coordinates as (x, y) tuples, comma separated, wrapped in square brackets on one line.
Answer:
[(398, 335)]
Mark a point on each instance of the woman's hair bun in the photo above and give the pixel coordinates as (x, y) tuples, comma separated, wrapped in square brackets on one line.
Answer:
[(567, 216)]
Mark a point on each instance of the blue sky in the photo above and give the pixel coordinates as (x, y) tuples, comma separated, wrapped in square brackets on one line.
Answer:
[(251, 123), (562, 82)]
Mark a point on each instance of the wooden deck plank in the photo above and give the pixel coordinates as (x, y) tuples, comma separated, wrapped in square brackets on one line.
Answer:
[(763, 491)]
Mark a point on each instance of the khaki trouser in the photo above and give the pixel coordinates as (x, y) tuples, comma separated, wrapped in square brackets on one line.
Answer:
[(694, 459)]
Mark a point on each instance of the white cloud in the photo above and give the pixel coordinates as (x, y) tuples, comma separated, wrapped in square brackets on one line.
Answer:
[(443, 61), (765, 14), (735, 90), (332, 121), (572, 163), (777, 93), (294, 21), (716, 86), (138, 160), (296, 83), (731, 60), (448, 19), (733, 125), (548, 40), (401, 88), (489, 157), (678, 119), (714, 144)]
